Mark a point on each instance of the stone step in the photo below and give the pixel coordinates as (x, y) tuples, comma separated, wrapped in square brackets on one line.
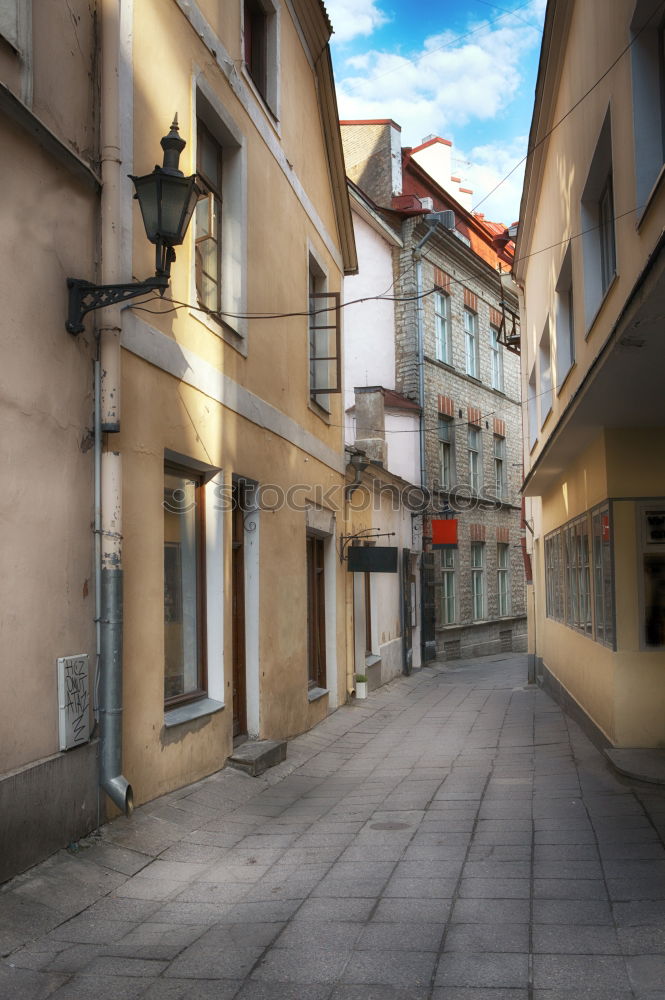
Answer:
[(256, 756)]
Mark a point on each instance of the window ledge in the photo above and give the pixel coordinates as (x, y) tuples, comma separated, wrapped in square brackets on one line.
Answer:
[(372, 659), (602, 302), (195, 710), (237, 341), (314, 694)]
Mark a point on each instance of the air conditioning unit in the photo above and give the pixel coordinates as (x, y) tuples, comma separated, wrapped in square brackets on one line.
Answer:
[(427, 203), (445, 219)]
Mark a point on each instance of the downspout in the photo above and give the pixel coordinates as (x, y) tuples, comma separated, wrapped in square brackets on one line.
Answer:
[(111, 778), (420, 332)]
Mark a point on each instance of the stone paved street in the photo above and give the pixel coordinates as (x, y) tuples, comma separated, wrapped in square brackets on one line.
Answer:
[(455, 837)]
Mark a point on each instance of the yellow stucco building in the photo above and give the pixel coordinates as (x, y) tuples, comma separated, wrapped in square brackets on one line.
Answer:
[(207, 448), (589, 261)]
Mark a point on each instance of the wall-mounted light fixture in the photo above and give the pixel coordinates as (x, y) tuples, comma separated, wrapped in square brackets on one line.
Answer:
[(167, 200)]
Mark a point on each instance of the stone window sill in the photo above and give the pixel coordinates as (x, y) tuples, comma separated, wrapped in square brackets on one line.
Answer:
[(195, 710)]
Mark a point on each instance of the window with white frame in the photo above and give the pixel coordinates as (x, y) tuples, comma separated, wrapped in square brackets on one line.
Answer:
[(475, 459), (597, 218), (545, 373), (446, 452), (220, 219), (261, 40), (648, 69), (447, 588), (442, 327), (471, 342), (496, 356), (208, 221), (503, 578), (478, 580), (500, 478), (564, 335)]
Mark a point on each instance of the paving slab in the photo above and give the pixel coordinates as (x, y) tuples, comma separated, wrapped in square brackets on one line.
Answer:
[(455, 838)]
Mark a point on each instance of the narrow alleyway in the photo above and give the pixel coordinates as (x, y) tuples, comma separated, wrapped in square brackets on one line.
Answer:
[(455, 837)]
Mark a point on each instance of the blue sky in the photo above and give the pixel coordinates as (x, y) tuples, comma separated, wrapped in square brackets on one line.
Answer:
[(461, 69)]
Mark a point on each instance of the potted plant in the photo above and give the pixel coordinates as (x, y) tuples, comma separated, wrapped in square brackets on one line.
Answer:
[(361, 686)]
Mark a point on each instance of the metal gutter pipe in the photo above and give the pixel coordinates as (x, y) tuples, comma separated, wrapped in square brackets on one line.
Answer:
[(420, 329), (110, 564)]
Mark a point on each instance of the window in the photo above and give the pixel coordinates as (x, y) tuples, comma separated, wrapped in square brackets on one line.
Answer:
[(261, 34), (602, 576), (220, 225), (446, 452), (442, 323), (565, 324), (209, 221), (545, 373), (579, 585), (532, 408), (316, 615), (477, 580), (648, 68), (606, 234), (324, 338), (471, 342), (447, 589), (10, 25), (597, 218), (502, 575), (184, 586), (500, 485), (496, 354), (474, 442)]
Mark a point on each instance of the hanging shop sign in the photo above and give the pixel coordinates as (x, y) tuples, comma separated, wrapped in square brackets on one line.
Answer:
[(444, 532), (372, 559)]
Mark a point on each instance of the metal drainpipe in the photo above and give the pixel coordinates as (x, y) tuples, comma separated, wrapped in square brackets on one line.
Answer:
[(111, 778), (420, 329)]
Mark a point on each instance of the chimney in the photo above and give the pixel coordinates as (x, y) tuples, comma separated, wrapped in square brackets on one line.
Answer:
[(371, 423), (373, 157)]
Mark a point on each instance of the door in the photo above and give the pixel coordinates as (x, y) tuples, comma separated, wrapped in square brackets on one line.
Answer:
[(316, 614), (238, 610), (428, 604), (407, 629)]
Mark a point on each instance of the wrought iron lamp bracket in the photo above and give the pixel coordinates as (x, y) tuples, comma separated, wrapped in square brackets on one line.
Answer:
[(84, 297)]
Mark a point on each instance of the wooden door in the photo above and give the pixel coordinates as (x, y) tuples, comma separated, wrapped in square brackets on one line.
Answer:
[(238, 611)]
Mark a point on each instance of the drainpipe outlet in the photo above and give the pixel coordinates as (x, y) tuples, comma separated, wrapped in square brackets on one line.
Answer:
[(120, 792)]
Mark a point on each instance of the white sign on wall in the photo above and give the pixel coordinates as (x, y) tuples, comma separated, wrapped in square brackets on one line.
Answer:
[(73, 701)]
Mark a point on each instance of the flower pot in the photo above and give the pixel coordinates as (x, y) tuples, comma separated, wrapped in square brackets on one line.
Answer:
[(361, 689)]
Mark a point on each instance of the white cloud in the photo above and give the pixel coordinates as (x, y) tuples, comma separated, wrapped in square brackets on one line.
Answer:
[(484, 167), (450, 82), (351, 18)]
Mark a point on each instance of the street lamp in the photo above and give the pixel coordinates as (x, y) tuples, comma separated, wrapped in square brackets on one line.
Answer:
[(167, 200)]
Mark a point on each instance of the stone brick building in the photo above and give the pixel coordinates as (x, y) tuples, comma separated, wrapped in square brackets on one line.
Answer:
[(455, 322)]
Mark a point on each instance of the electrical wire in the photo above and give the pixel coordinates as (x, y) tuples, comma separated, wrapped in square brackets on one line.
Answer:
[(570, 110)]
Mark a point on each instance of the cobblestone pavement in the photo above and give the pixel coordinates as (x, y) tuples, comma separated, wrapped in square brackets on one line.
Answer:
[(455, 837)]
